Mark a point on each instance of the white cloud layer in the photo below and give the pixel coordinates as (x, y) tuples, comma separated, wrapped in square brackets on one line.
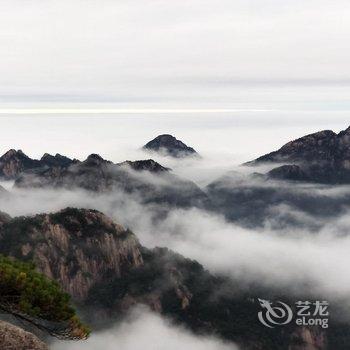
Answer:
[(145, 330), (292, 258)]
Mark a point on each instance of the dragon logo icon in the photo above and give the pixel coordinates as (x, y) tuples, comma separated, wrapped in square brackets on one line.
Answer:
[(272, 316)]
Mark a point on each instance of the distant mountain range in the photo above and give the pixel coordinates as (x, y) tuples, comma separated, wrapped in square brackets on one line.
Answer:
[(322, 157), (100, 175), (14, 162), (146, 178)]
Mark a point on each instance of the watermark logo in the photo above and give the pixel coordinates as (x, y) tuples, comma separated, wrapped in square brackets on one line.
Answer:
[(280, 314), (306, 313)]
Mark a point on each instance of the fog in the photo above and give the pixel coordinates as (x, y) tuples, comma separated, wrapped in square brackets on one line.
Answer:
[(294, 258), (146, 330)]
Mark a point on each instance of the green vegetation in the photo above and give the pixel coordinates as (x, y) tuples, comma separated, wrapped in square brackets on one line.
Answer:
[(14, 234), (31, 296)]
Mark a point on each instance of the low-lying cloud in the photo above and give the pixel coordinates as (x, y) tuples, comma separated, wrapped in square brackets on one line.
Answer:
[(145, 330), (293, 258)]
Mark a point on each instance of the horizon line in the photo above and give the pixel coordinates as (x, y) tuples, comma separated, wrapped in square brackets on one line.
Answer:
[(126, 110), (42, 111)]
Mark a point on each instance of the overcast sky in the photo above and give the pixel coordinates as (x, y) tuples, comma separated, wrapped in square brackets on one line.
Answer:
[(289, 59), (230, 52)]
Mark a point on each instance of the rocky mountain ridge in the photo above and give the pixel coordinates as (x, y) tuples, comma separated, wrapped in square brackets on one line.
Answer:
[(321, 157), (14, 162), (147, 179)]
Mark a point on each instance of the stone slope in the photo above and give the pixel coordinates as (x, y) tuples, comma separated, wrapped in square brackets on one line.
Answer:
[(15, 338)]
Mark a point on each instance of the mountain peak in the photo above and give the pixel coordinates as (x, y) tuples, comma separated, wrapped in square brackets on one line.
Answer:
[(13, 162), (323, 156), (56, 160), (148, 165), (170, 145), (12, 153), (95, 159)]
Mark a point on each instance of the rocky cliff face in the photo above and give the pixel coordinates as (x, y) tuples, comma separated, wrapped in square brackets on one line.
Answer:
[(322, 157), (169, 145), (15, 338), (311, 338), (78, 248), (13, 162)]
